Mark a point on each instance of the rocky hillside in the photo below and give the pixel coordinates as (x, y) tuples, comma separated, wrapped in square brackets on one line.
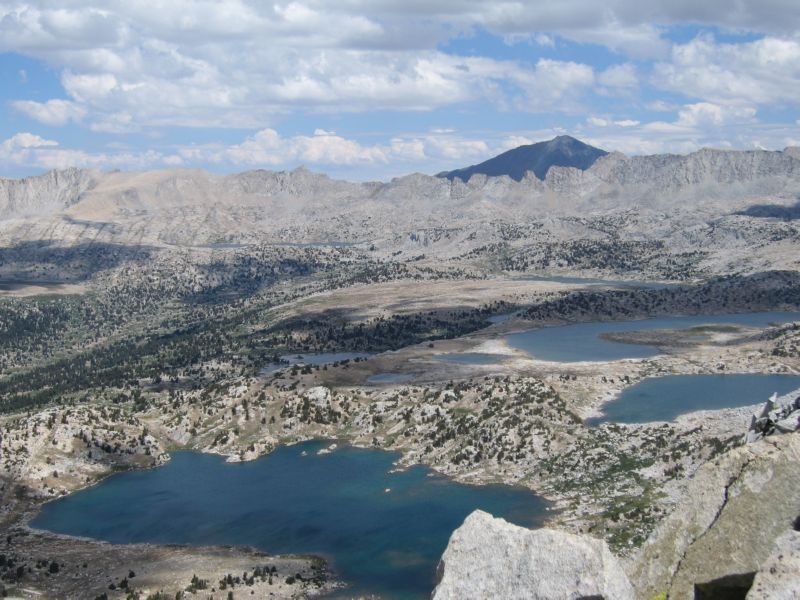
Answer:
[(736, 508), (743, 506), (658, 217), (275, 200), (45, 194)]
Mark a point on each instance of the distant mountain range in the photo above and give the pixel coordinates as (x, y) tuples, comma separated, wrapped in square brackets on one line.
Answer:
[(562, 151), (736, 207)]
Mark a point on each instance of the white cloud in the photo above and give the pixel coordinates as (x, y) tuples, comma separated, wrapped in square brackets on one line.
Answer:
[(598, 121), (455, 148), (619, 79), (52, 112), (127, 67), (30, 150), (119, 122), (765, 72), (430, 152), (601, 122), (708, 114), (241, 63), (267, 147), (661, 106), (25, 140), (695, 126), (554, 85), (89, 88), (408, 150)]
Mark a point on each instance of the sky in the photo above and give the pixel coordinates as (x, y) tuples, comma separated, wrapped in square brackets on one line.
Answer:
[(373, 89)]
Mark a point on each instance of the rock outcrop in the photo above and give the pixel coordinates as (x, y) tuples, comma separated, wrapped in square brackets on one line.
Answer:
[(723, 532), (491, 558), (735, 533), (42, 194), (779, 576), (778, 415)]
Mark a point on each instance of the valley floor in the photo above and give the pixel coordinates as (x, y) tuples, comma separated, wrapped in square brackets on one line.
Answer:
[(517, 420)]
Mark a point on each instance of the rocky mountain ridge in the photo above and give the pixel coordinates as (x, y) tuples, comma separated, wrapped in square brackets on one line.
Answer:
[(663, 216), (613, 181), (51, 192)]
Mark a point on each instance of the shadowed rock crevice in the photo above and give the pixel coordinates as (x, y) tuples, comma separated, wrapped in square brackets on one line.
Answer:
[(730, 587)]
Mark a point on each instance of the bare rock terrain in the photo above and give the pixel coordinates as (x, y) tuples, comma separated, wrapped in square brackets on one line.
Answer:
[(144, 312), (490, 558)]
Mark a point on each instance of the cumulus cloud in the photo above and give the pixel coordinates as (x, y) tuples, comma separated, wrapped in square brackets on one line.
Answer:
[(556, 85), (30, 150), (601, 122), (126, 67), (708, 114), (52, 112), (241, 64), (765, 71), (695, 126), (26, 148), (25, 140), (267, 147), (619, 79)]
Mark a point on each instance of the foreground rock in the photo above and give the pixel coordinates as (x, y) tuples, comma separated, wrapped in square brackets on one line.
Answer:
[(778, 415), (491, 558), (779, 577), (725, 529)]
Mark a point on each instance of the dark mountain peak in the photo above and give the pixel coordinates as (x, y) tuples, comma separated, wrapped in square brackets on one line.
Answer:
[(561, 151)]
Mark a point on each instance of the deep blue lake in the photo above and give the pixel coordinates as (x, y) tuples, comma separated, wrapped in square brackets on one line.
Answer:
[(333, 505), (582, 341), (664, 398)]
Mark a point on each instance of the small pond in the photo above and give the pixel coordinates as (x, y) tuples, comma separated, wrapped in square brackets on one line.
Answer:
[(582, 341), (664, 398)]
